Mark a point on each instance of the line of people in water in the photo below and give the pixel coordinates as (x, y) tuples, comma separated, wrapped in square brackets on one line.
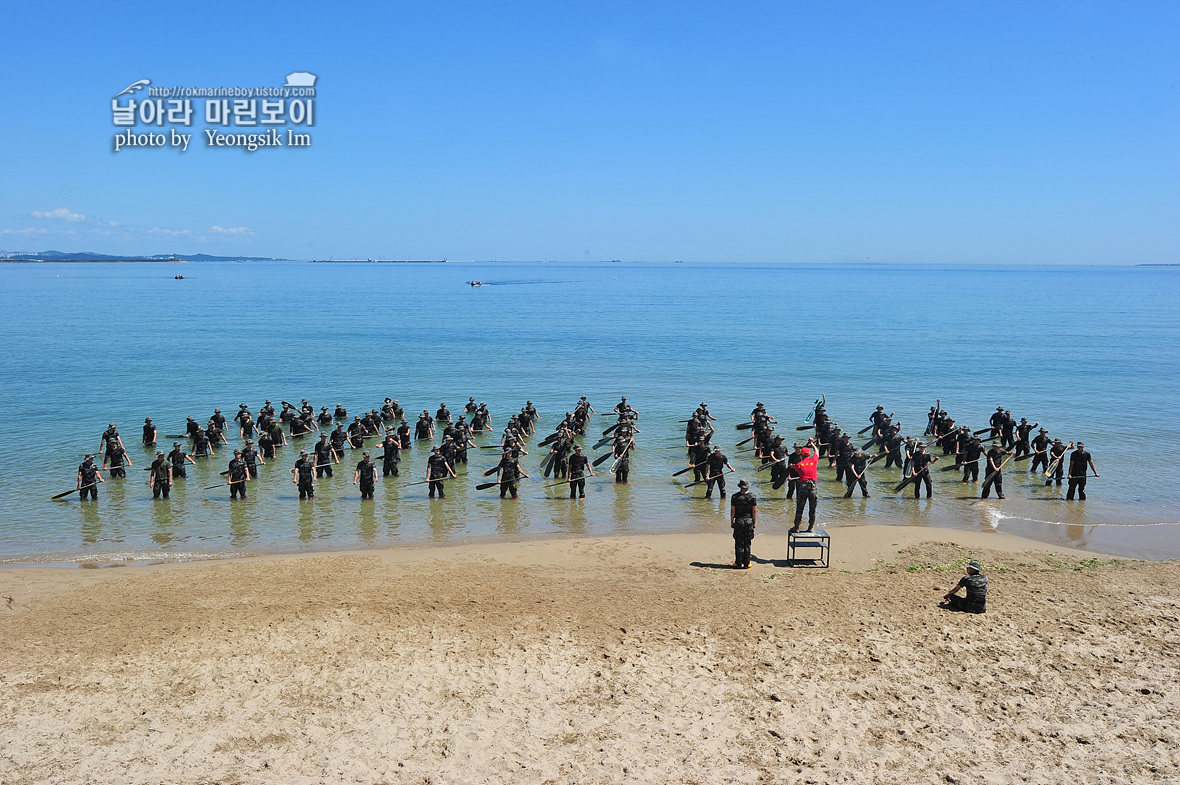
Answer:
[(566, 462)]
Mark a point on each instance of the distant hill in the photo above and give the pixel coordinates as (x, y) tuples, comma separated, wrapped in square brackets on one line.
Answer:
[(86, 256)]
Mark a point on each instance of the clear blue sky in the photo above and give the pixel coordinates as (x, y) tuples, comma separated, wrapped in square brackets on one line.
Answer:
[(780, 132)]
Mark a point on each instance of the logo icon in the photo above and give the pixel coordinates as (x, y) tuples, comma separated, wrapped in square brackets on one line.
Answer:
[(139, 84), (300, 79)]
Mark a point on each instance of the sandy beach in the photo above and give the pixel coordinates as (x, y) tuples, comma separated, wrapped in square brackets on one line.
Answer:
[(628, 659)]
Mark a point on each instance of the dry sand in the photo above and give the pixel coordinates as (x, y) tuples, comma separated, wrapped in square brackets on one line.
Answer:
[(640, 659)]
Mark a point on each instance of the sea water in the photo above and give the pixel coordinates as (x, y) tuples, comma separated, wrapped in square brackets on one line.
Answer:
[(1092, 353)]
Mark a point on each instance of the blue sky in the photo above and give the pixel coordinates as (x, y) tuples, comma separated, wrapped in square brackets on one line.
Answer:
[(776, 132)]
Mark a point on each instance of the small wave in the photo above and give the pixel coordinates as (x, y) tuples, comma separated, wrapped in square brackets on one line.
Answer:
[(998, 516), (120, 557)]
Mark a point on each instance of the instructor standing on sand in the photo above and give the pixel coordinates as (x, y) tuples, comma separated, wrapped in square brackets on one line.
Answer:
[(743, 517)]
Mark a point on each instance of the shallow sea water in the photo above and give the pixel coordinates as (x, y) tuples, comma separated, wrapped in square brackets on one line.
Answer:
[(1092, 353)]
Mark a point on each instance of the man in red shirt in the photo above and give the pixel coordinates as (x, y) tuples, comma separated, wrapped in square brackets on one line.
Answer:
[(806, 471)]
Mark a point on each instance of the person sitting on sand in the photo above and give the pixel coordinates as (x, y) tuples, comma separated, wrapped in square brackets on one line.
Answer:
[(975, 582)]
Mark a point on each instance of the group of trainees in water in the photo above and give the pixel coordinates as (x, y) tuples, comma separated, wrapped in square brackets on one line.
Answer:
[(391, 435), (383, 436), (797, 468)]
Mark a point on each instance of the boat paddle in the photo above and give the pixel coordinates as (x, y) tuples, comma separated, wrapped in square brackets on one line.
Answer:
[(72, 490), (690, 468), (700, 482), (997, 471), (222, 485), (901, 485)]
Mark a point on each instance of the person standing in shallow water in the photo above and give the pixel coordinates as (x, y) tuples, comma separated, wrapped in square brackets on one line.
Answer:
[(743, 517)]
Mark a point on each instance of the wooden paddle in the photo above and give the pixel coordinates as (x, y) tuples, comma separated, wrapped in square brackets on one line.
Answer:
[(868, 427), (73, 490), (690, 468), (745, 426), (809, 427), (567, 481), (611, 429), (602, 458), (745, 441), (997, 471), (914, 476), (714, 477), (222, 485), (981, 431), (768, 465)]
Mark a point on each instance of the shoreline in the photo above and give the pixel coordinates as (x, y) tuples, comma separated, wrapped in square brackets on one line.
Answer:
[(642, 658), (770, 529), (864, 536)]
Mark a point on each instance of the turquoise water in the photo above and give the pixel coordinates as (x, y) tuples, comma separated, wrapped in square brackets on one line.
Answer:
[(1092, 353)]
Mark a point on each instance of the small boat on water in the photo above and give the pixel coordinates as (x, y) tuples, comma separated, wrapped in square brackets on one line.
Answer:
[(178, 277), (475, 283)]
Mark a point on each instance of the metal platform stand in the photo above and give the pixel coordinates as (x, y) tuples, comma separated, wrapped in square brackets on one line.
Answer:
[(817, 544)]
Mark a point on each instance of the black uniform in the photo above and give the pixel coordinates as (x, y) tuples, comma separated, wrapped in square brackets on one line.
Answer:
[(110, 438), (994, 477), (436, 472), (1040, 458), (250, 456), (305, 474), (338, 437), (622, 464), (743, 503), (392, 457), (367, 477), (715, 464), (200, 444), (792, 476), (1079, 467), (857, 465), (971, 456), (403, 435), (509, 474), (323, 458), (239, 472), (577, 469), (698, 454), (267, 444), (922, 460), (177, 457), (89, 472), (1057, 454), (115, 456), (843, 451), (894, 444), (149, 434), (422, 428)]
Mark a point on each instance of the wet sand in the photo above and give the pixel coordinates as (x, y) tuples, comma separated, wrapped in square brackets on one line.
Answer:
[(627, 659)]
